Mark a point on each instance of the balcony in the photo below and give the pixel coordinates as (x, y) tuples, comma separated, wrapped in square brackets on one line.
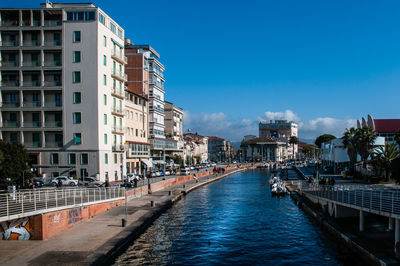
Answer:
[(10, 23), (31, 63), (31, 83), (31, 43), (10, 124), (119, 57), (120, 76), (118, 92), (52, 104), (12, 43), (117, 111), (32, 104), (52, 23), (53, 124), (32, 144), (55, 63), (32, 124), (117, 129), (52, 43), (6, 104), (52, 83), (157, 71), (163, 144), (118, 148), (52, 144), (6, 63), (10, 83)]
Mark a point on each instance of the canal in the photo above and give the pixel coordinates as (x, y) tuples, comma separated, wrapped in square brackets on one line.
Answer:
[(234, 221)]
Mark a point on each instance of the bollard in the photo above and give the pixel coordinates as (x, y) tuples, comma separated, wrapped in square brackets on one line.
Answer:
[(152, 203), (184, 185), (169, 193), (123, 222)]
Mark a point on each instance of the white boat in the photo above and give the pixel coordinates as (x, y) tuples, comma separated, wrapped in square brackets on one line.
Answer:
[(278, 188)]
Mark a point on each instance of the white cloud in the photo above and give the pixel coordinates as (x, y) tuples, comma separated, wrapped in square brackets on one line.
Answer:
[(219, 124)]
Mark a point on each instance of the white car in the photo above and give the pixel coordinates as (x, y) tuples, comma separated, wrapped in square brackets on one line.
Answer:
[(167, 172), (65, 181)]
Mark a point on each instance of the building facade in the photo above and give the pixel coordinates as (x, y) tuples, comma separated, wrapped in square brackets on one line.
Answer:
[(263, 149), (62, 88), (218, 149), (174, 127), (280, 130)]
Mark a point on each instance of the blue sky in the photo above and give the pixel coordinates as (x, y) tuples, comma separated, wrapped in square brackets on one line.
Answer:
[(232, 63)]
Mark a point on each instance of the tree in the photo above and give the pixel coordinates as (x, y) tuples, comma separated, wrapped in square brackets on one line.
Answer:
[(178, 159), (383, 158), (365, 139), (14, 163), (350, 143), (323, 138), (293, 140)]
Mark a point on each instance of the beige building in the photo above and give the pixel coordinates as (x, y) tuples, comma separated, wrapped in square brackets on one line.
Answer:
[(136, 132)]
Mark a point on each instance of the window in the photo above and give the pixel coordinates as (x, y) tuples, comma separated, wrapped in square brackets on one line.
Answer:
[(77, 118), (112, 27), (104, 80), (102, 19), (72, 158), (105, 119), (82, 15), (76, 77), (104, 60), (77, 138), (105, 138), (105, 41), (115, 158), (77, 97), (54, 158), (84, 158), (121, 157), (77, 57), (77, 36), (106, 158), (119, 33), (137, 132), (105, 99)]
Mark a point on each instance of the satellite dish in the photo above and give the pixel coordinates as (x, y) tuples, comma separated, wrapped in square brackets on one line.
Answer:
[(121, 147)]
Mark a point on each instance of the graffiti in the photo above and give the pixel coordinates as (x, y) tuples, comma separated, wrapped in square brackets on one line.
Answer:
[(56, 218), (74, 215), (19, 229)]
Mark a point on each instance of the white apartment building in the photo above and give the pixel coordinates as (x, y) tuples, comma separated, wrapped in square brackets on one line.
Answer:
[(174, 126), (62, 88)]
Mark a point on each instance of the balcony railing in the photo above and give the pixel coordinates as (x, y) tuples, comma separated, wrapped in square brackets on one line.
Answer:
[(52, 104), (117, 129), (9, 43), (119, 57), (9, 63), (9, 23), (32, 124), (119, 75), (11, 124), (53, 124), (52, 83), (10, 104), (118, 92), (32, 144), (52, 63), (31, 43), (52, 42), (52, 144), (52, 23), (32, 104), (31, 63), (12, 83), (157, 71), (117, 110), (35, 83)]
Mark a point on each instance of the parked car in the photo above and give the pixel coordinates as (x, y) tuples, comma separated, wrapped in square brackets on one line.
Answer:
[(155, 174), (90, 181), (167, 172), (185, 171), (65, 181), (38, 181)]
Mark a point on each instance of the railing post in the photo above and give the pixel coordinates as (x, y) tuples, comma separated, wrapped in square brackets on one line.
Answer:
[(7, 210), (380, 201), (22, 202), (392, 202), (34, 199), (66, 198), (55, 191), (81, 197)]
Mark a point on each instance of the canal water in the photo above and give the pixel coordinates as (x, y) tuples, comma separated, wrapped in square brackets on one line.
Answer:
[(234, 221)]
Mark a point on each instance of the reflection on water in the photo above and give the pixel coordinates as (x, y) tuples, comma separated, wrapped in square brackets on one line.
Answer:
[(233, 221)]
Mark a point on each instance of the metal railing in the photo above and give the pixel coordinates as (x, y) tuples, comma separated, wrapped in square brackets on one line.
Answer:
[(371, 198), (19, 204)]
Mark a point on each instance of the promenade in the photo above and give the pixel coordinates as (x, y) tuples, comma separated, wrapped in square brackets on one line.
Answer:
[(100, 239)]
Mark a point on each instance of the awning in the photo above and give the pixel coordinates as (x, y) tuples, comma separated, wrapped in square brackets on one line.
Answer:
[(148, 162), (158, 162)]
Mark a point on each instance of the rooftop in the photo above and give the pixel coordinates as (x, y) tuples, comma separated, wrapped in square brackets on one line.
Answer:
[(387, 125)]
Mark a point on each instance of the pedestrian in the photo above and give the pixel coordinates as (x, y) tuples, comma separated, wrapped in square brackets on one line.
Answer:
[(59, 183), (223, 170), (107, 183)]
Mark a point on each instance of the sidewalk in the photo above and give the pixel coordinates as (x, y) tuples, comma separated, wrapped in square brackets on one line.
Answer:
[(100, 239)]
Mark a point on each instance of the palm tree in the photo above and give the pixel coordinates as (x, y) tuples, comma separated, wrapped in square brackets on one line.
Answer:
[(397, 137), (365, 139), (384, 156), (293, 140), (350, 143)]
